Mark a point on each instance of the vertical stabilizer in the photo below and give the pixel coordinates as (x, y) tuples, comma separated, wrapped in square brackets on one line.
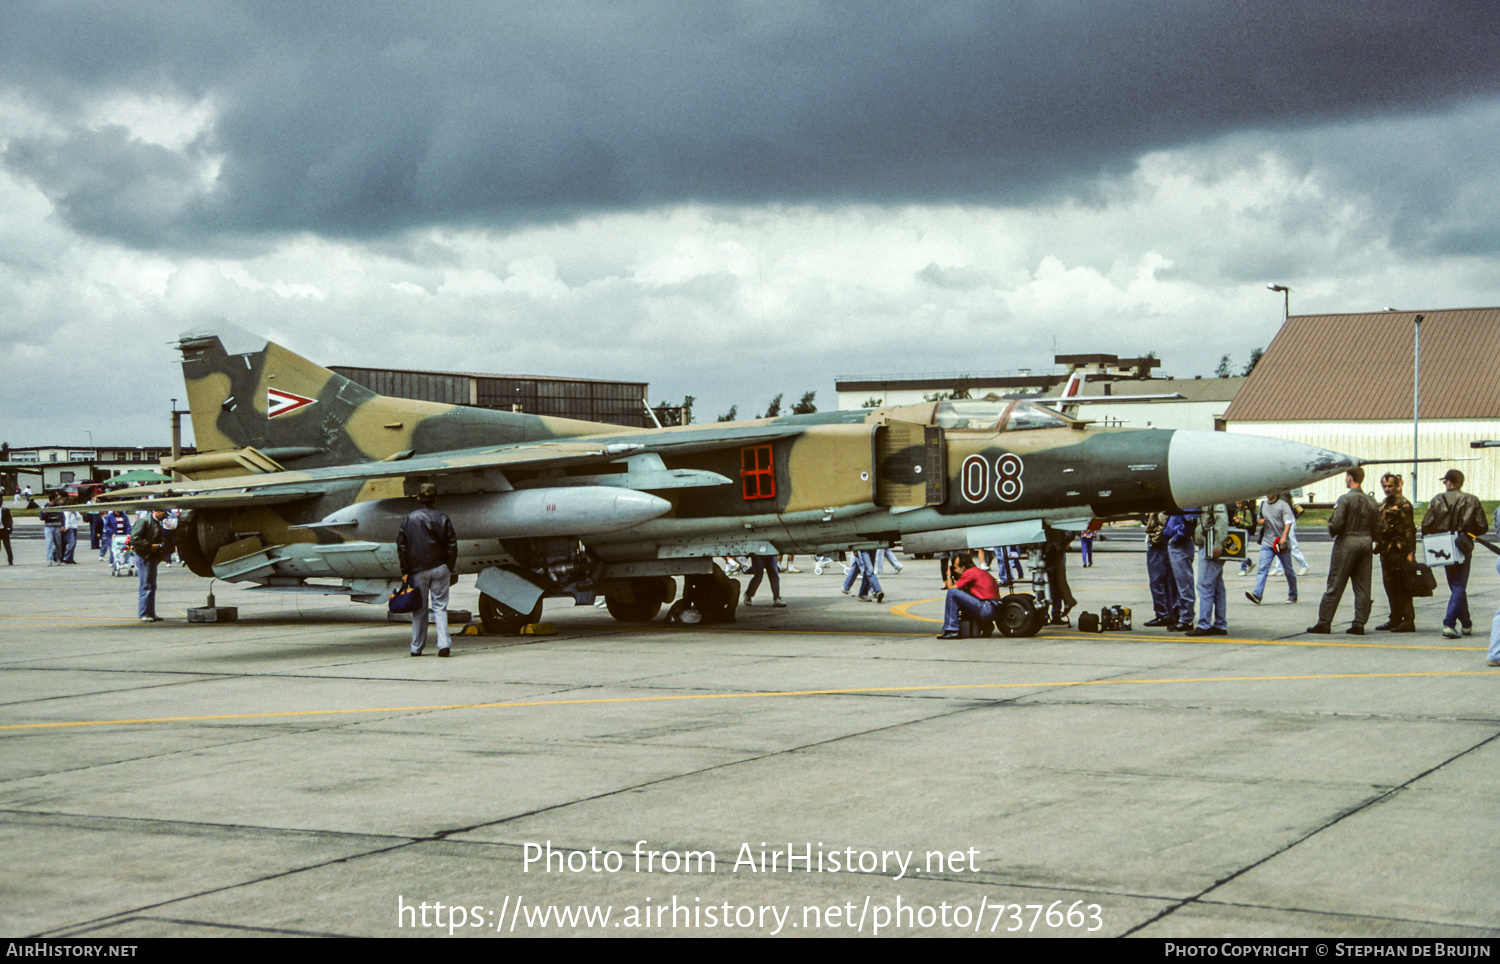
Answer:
[(247, 392)]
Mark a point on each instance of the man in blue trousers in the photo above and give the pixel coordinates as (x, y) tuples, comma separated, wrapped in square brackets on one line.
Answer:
[(1180, 555)]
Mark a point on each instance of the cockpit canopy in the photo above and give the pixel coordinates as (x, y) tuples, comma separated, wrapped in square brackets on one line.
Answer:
[(1000, 415)]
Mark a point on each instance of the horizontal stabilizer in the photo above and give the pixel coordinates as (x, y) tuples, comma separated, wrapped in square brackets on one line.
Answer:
[(209, 465), (173, 496)]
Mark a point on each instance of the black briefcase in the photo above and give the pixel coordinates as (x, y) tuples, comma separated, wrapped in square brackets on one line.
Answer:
[(1418, 578)]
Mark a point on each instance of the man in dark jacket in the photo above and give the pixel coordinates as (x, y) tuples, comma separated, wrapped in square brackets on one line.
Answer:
[(52, 520), (149, 545), (1456, 511), (1352, 526), (428, 550)]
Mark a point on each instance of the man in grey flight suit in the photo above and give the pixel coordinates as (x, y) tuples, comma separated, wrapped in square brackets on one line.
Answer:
[(1352, 526)]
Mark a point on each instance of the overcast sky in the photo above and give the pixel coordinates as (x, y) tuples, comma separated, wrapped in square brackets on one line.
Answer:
[(725, 199)]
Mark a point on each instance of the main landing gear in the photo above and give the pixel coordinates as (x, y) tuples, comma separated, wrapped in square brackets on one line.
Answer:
[(640, 599), (707, 599)]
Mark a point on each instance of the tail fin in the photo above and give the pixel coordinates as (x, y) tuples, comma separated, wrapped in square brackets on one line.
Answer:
[(248, 393)]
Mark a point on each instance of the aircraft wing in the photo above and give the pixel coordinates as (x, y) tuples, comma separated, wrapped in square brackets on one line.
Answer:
[(272, 488)]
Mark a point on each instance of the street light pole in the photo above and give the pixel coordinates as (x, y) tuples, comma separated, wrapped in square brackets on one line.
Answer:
[(1416, 396), (1286, 300)]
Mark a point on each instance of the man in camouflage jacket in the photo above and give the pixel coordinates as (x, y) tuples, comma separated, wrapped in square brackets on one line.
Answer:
[(1396, 543)]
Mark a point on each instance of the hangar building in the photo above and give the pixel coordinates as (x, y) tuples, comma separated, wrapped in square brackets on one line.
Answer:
[(593, 400), (1344, 381)]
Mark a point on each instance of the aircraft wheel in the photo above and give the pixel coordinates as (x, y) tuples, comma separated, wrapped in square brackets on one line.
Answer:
[(1018, 617), (500, 620), (639, 611), (647, 596)]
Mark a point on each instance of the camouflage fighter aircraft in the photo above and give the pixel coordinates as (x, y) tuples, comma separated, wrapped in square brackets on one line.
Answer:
[(302, 477)]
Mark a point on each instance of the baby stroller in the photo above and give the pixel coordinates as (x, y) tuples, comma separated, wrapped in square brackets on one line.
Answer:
[(121, 559)]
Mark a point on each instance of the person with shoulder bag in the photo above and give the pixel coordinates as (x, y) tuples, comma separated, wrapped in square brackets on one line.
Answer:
[(1456, 511), (427, 549)]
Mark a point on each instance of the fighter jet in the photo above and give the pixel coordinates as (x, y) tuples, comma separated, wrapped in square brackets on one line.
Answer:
[(302, 478)]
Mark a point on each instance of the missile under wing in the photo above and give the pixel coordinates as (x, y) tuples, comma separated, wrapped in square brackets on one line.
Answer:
[(302, 478)]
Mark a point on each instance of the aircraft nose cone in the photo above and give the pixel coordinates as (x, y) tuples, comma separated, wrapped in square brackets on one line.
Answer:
[(1204, 468)]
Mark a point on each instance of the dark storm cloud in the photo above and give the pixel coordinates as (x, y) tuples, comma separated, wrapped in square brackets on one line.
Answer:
[(104, 180), (362, 118)]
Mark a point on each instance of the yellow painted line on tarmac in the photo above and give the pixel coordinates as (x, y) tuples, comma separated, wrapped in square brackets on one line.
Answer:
[(858, 690), (904, 610)]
